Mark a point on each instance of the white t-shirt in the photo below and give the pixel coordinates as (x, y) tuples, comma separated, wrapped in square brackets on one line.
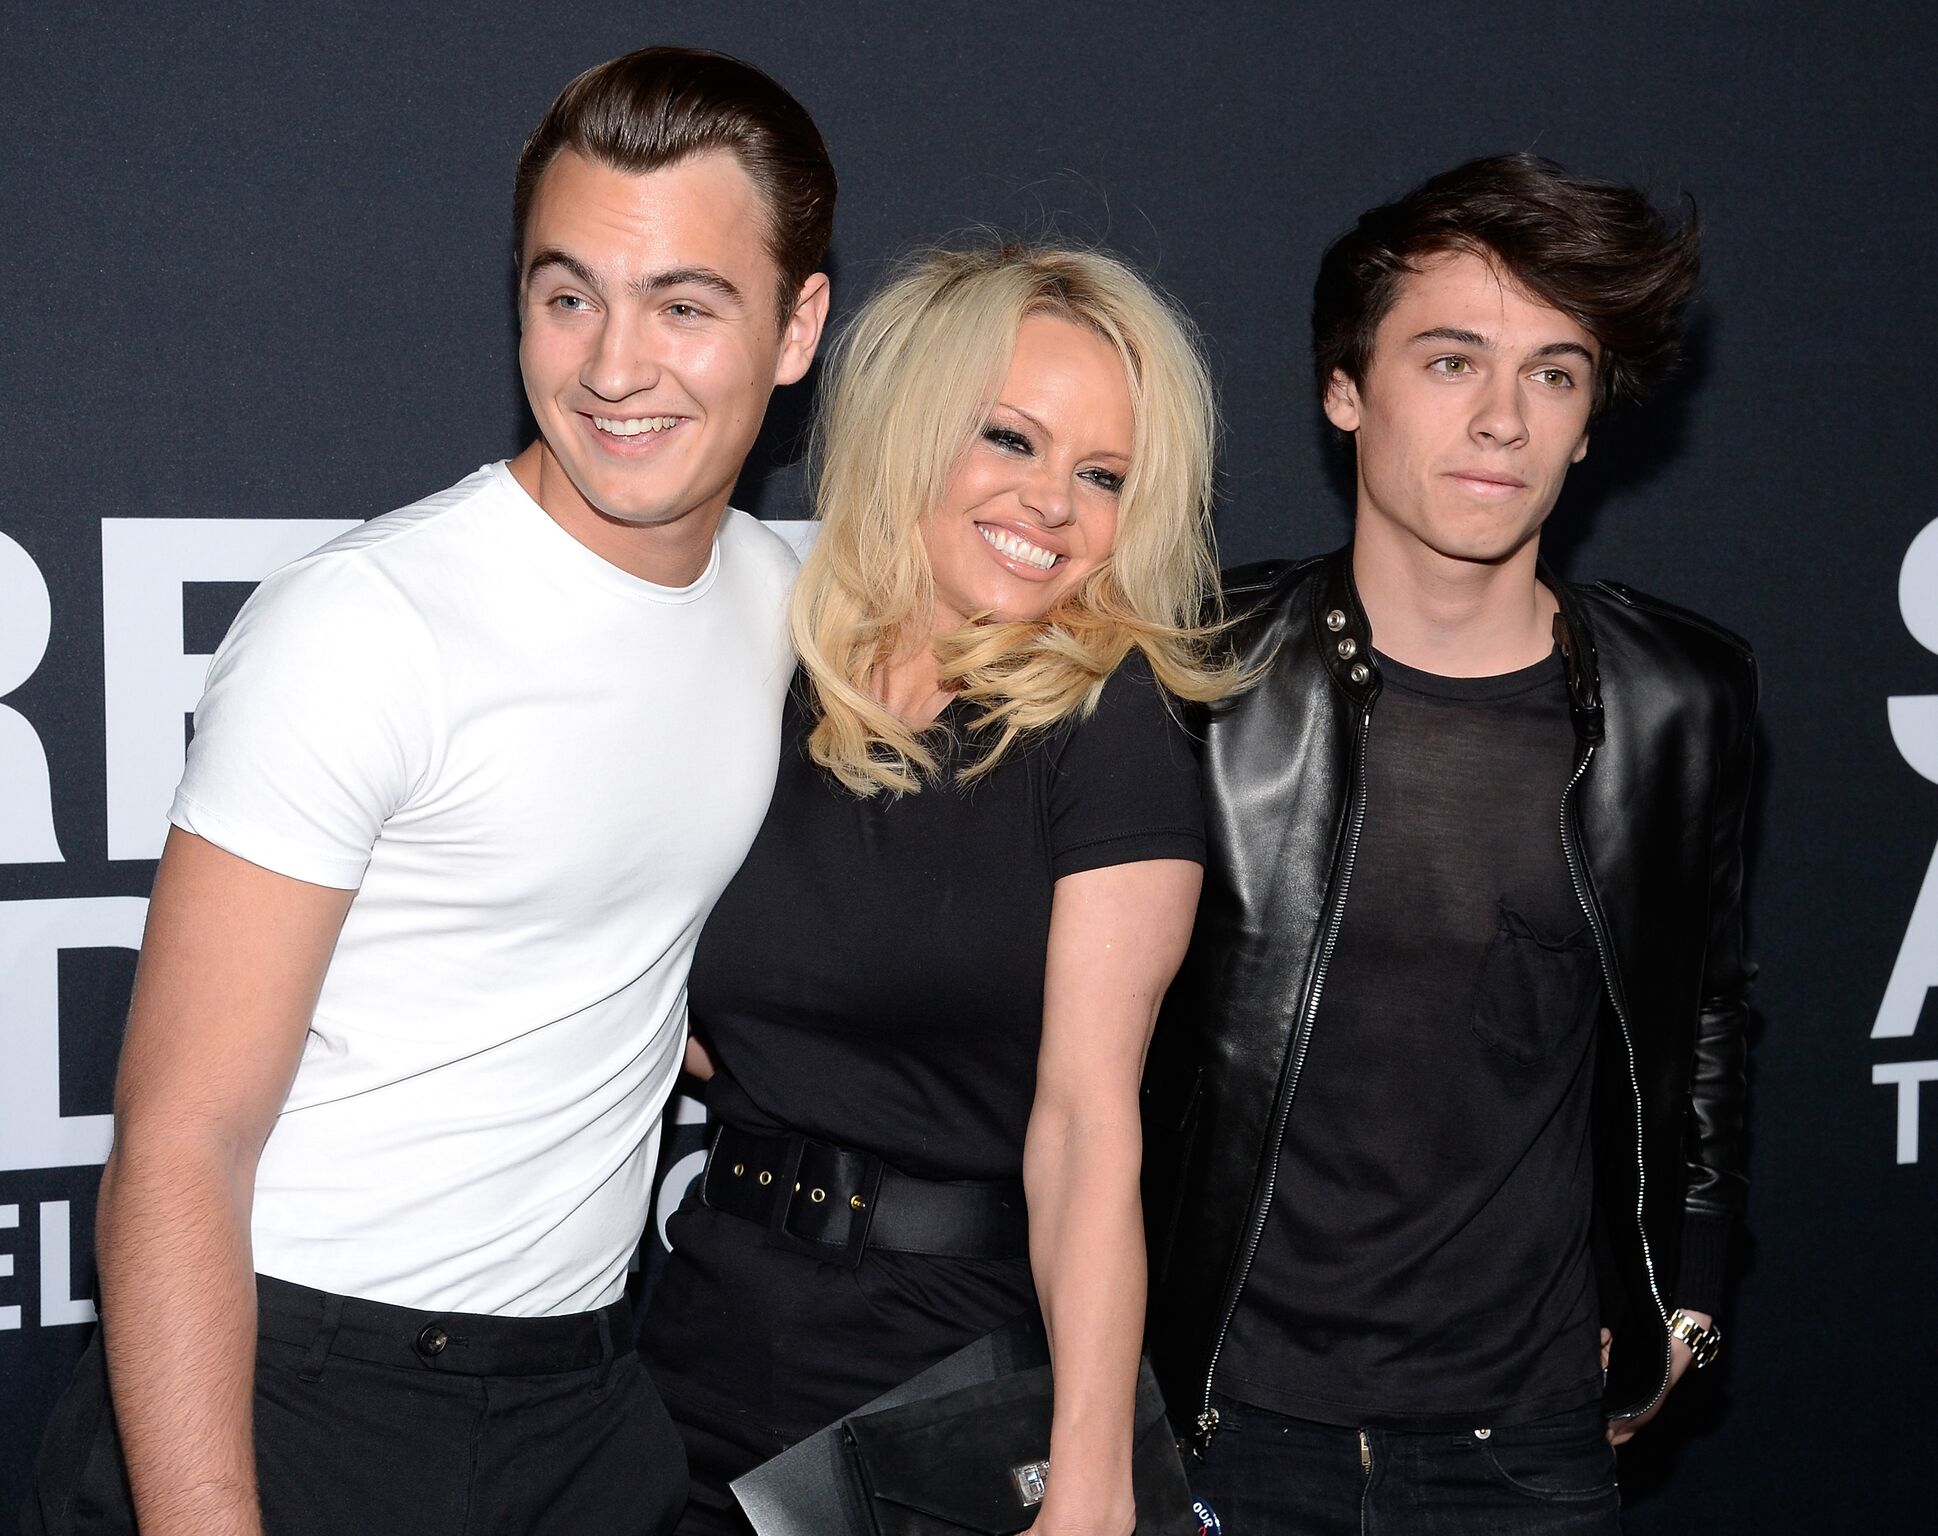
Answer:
[(538, 773)]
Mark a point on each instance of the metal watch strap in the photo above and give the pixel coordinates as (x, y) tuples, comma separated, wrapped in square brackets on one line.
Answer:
[(1703, 1342)]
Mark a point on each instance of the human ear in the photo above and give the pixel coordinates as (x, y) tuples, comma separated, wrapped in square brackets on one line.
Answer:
[(1342, 402), (801, 336)]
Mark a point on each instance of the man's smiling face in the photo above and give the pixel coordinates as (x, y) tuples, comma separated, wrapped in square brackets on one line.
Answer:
[(1474, 405), (650, 341)]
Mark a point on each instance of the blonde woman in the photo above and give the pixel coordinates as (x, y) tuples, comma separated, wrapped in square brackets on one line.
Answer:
[(926, 997)]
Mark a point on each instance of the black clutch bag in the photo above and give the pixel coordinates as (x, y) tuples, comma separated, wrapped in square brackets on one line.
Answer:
[(959, 1448), (974, 1462)]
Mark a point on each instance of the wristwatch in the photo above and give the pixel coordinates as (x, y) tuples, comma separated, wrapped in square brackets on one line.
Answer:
[(1703, 1342)]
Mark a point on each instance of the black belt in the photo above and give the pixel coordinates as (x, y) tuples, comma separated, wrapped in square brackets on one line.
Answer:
[(835, 1202)]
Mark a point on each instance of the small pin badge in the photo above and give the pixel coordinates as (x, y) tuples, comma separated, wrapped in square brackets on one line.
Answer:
[(1032, 1481), (1208, 1522)]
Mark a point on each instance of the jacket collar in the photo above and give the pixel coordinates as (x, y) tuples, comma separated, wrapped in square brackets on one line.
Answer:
[(1345, 640), (1575, 638)]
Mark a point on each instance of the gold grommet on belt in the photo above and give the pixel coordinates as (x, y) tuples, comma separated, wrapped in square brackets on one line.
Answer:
[(766, 1177), (856, 1203), (739, 1169), (817, 1195)]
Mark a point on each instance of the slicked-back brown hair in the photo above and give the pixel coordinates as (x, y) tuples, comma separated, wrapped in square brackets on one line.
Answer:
[(659, 106), (1600, 253)]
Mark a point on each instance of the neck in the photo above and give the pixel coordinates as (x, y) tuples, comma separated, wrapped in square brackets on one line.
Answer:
[(1450, 617), (909, 685), (668, 554)]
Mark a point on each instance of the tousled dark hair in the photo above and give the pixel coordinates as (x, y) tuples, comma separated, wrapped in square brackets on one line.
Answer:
[(659, 106), (1598, 252)]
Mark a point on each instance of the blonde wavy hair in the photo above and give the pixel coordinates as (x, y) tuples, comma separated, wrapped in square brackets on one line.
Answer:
[(913, 380)]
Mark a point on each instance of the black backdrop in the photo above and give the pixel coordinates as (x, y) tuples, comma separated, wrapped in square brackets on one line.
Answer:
[(257, 270)]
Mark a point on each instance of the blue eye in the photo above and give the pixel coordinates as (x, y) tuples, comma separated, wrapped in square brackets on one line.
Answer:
[(1105, 480), (1005, 437)]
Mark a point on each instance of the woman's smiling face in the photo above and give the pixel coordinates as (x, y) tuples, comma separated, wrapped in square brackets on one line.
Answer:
[(1031, 508)]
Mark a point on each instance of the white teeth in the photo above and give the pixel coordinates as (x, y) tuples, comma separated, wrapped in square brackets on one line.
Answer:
[(632, 426), (1017, 548)]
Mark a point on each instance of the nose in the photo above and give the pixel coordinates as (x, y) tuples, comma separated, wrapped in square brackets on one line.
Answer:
[(1046, 492), (1500, 419), (623, 360)]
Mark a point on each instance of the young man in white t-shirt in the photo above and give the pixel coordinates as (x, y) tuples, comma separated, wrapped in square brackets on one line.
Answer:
[(463, 787)]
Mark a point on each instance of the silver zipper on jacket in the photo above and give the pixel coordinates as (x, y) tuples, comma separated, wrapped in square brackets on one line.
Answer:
[(1628, 1042), (1207, 1422)]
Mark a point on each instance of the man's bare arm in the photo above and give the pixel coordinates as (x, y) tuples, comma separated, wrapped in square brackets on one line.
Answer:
[(230, 968)]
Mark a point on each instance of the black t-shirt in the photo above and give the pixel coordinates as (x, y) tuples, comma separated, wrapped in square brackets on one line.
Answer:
[(873, 975), (1425, 1262)]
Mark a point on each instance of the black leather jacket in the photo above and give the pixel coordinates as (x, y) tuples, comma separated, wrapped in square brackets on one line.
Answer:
[(1651, 824)]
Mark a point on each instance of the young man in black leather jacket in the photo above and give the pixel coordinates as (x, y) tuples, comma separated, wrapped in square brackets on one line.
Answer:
[(1444, 1118)]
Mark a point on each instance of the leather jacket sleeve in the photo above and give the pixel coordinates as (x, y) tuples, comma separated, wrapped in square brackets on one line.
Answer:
[(1713, 1150)]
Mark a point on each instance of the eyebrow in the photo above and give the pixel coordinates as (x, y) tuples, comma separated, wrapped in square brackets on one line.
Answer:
[(1017, 410), (643, 287), (1480, 343)]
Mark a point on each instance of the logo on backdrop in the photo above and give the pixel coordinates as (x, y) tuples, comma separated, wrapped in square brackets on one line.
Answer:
[(150, 682), (1914, 727)]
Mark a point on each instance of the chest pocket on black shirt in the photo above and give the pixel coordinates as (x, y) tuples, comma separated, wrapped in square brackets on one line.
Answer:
[(1536, 989)]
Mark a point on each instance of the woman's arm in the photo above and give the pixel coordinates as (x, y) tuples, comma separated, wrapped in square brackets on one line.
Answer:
[(1117, 936), (698, 1061)]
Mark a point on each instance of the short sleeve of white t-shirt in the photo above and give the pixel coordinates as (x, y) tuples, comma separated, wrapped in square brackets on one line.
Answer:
[(319, 720)]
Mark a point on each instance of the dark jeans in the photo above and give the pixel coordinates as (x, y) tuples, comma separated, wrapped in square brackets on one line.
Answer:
[(1269, 1475), (376, 1419)]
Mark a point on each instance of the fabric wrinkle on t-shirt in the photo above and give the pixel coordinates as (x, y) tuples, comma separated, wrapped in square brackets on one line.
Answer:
[(873, 976), (1425, 1256), (478, 725)]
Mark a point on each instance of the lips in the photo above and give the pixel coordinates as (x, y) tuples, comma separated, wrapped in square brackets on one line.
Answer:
[(632, 437), (633, 426), (1006, 541), (1491, 477)]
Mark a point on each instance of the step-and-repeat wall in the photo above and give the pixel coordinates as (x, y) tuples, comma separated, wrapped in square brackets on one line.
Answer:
[(258, 288)]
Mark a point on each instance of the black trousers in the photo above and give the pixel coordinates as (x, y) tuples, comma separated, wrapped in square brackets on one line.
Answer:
[(1267, 1473), (757, 1347), (375, 1419)]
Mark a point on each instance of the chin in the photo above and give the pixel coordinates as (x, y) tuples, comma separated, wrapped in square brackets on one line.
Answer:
[(1478, 547), (650, 515), (611, 496)]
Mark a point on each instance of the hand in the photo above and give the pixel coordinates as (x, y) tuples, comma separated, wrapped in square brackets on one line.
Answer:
[(1088, 1525), (1087, 1512), (1621, 1431)]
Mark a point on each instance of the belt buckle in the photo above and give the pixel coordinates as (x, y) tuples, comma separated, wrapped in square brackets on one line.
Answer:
[(827, 1186)]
